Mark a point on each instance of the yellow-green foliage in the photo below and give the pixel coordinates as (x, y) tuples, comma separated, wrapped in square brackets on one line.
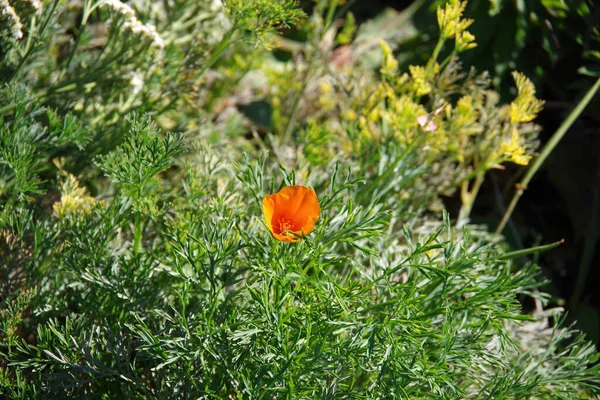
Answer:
[(138, 143), (451, 117), (451, 22), (73, 198), (525, 107), (263, 17)]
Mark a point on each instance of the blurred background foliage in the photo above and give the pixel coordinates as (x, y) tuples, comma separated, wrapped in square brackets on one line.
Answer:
[(556, 43), (351, 83)]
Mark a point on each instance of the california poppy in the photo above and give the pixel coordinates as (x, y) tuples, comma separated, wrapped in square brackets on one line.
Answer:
[(291, 213)]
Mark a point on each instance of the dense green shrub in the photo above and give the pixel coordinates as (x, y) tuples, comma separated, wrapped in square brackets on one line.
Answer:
[(137, 142)]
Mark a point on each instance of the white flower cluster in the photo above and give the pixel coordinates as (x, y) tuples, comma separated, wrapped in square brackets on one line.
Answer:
[(37, 5), (33, 6), (120, 7), (134, 24), (216, 5), (146, 30), (136, 80), (219, 24), (9, 16)]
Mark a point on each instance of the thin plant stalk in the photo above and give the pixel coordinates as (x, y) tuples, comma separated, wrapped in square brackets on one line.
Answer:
[(216, 55), (468, 198), (330, 13), (532, 250), (225, 42), (539, 161), (60, 89), (287, 135), (87, 9), (31, 46)]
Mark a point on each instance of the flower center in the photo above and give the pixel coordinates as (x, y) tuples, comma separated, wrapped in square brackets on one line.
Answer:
[(284, 225)]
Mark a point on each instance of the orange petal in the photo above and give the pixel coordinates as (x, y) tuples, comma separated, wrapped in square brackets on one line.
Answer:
[(297, 204), (268, 210), (308, 213), (285, 238), (295, 197)]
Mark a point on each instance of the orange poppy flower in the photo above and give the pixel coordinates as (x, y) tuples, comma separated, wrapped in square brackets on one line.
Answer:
[(291, 213)]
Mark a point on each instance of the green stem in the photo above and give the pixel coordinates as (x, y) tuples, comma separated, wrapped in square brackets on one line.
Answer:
[(64, 88), (469, 199), (410, 11), (330, 13), (447, 59), (287, 134), (87, 10), (76, 44), (219, 50), (60, 89), (137, 234), (214, 57), (74, 50), (520, 253), (435, 55), (554, 140), (31, 47)]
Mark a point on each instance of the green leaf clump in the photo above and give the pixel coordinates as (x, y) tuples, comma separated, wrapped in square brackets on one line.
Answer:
[(134, 258)]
